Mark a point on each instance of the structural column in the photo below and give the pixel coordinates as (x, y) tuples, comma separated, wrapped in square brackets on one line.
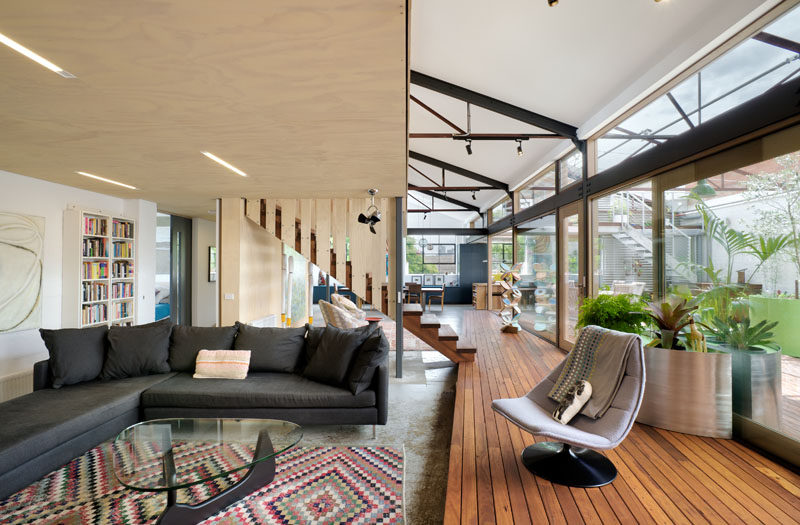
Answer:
[(398, 272)]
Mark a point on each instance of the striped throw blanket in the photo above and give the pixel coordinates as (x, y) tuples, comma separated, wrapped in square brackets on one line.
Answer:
[(600, 356)]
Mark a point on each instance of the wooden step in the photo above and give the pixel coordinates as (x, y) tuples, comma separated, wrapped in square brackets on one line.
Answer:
[(412, 309), (429, 321), (465, 347), (446, 333)]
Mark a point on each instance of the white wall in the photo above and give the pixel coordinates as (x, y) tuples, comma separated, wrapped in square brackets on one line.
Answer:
[(204, 304), (19, 350)]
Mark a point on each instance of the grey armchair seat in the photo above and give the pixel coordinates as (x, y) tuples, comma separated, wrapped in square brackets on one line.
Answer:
[(569, 460)]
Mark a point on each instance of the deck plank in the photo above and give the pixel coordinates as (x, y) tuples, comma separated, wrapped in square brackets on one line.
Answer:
[(664, 477)]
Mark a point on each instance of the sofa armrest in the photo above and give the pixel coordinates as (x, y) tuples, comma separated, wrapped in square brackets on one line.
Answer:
[(41, 375), (380, 384)]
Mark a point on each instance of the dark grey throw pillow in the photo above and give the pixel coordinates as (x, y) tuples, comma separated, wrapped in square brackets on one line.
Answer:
[(186, 341), (369, 356), (271, 349), (76, 354), (330, 361), (136, 351)]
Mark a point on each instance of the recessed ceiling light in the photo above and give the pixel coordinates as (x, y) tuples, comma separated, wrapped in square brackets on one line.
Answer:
[(223, 163), (105, 180), (19, 48)]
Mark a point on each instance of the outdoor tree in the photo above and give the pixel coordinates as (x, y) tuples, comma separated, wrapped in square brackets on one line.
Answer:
[(778, 195), (414, 258)]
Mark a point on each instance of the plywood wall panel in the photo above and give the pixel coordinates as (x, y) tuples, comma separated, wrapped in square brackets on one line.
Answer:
[(377, 256), (339, 234), (270, 226), (288, 216), (359, 246), (322, 227), (253, 209), (306, 207)]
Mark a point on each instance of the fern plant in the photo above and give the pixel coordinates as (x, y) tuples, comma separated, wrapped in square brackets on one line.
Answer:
[(623, 313)]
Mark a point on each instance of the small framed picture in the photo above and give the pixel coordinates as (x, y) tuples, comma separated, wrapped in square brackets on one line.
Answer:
[(438, 279), (212, 264), (416, 279), (428, 280)]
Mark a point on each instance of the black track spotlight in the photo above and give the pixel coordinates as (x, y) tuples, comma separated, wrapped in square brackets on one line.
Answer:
[(373, 215), (469, 146), (551, 3), (519, 148), (473, 196)]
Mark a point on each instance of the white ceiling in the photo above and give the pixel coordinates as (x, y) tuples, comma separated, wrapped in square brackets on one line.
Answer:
[(579, 62), (308, 98)]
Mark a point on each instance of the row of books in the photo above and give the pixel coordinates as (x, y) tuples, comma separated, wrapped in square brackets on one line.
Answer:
[(96, 313), (122, 269), (122, 310), (94, 226), (94, 248), (95, 270), (94, 292), (122, 229), (123, 249), (121, 290)]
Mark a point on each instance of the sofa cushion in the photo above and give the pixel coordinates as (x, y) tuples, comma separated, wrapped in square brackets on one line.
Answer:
[(186, 341), (76, 354), (272, 349), (370, 355), (44, 419), (137, 350), (222, 364), (331, 360), (258, 390)]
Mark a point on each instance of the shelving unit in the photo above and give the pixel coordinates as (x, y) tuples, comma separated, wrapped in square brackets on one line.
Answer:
[(99, 270)]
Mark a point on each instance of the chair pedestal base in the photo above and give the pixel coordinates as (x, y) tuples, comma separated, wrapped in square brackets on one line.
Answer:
[(564, 465)]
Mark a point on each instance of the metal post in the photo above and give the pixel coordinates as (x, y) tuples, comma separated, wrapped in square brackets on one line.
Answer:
[(398, 278)]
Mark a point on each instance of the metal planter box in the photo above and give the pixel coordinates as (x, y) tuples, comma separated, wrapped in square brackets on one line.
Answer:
[(688, 392)]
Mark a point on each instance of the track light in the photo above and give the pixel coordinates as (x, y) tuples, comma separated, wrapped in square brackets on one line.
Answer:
[(519, 148), (469, 146), (425, 216), (473, 196), (372, 216), (551, 3)]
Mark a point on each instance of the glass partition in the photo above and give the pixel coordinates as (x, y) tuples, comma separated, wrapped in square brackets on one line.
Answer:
[(570, 169), (502, 253), (501, 210), (536, 250), (540, 188)]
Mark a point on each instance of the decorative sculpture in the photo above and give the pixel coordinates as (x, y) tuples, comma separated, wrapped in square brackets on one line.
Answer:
[(510, 312)]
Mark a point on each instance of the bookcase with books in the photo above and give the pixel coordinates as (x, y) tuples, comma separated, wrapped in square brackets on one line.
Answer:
[(99, 270)]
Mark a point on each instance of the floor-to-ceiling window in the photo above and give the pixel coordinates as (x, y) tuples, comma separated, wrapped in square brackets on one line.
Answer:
[(536, 251)]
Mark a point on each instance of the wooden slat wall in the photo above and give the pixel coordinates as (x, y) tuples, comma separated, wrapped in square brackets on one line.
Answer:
[(306, 206), (339, 233), (323, 228), (359, 245), (254, 210), (288, 216), (377, 253), (270, 204), (664, 477)]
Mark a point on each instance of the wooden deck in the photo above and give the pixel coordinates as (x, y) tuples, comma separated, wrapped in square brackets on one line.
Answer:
[(664, 477)]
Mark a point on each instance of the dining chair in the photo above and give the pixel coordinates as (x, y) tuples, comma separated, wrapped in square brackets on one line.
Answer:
[(436, 296), (414, 291)]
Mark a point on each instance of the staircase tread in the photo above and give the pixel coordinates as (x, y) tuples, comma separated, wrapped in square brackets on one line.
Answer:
[(466, 346), (412, 309), (446, 333), (429, 321)]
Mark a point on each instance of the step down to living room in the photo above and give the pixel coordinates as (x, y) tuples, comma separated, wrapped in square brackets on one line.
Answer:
[(440, 337)]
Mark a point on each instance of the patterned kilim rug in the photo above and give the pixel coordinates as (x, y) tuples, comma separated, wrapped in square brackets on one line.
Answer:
[(359, 485)]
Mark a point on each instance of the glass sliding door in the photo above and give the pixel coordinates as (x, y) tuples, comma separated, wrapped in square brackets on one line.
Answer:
[(536, 251), (571, 271)]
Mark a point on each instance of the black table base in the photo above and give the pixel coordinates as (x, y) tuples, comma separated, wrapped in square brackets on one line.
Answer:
[(259, 475)]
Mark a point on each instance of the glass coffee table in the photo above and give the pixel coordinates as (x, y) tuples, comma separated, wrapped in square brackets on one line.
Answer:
[(165, 455)]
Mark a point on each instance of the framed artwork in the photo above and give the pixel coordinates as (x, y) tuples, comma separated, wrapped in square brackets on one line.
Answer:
[(438, 279), (21, 275), (417, 279), (428, 280), (212, 264)]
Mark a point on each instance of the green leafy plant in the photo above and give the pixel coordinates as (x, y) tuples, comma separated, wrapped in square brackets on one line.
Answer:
[(623, 313), (671, 316), (737, 332)]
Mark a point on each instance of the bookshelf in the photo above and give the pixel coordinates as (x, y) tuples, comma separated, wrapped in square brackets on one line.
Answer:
[(99, 269)]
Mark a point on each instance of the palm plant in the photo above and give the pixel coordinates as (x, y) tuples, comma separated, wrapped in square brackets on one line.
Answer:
[(741, 334), (671, 316)]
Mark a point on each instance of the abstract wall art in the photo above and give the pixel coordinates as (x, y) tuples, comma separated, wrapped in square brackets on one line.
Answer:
[(21, 247)]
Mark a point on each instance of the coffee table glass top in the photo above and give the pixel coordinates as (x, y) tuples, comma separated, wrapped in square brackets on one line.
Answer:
[(168, 454)]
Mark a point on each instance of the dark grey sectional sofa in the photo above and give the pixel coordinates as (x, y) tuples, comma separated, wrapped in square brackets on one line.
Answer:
[(41, 431)]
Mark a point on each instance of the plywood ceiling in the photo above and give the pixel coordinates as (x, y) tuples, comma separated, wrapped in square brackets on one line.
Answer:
[(308, 98)]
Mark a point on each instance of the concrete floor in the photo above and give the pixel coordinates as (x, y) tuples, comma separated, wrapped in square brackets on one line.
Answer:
[(420, 422)]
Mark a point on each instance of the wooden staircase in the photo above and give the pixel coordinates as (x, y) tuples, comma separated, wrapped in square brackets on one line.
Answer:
[(440, 337)]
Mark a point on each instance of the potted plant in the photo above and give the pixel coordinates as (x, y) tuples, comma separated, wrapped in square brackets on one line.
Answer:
[(685, 391), (755, 365), (623, 313)]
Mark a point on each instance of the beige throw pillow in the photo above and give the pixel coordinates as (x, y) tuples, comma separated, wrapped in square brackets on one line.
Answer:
[(343, 302), (339, 317), (222, 364)]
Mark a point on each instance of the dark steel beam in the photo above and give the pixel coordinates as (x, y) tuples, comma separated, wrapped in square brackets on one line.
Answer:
[(448, 231), (418, 171), (778, 41), (423, 210), (453, 188), (485, 136), (680, 110), (436, 114), (492, 104), (458, 170), (445, 198)]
